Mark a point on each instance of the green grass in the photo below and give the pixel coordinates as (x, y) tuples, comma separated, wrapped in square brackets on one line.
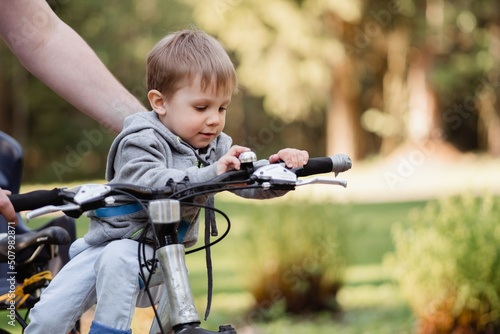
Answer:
[(370, 300), (363, 228)]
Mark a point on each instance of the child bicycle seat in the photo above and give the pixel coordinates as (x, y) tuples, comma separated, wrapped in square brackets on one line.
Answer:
[(33, 252), (29, 245)]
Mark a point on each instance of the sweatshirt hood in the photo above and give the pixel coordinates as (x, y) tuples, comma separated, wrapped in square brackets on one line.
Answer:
[(149, 120)]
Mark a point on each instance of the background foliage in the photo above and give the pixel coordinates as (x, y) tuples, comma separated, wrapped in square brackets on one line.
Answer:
[(297, 264), (361, 77), (448, 265)]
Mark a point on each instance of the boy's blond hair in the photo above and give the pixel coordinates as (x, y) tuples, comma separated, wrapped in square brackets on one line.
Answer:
[(179, 57)]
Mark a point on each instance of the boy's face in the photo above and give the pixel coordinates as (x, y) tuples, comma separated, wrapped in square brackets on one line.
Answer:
[(196, 116)]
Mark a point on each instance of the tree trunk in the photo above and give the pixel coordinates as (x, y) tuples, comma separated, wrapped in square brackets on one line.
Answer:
[(423, 117), (488, 103), (344, 133), (489, 115), (395, 90)]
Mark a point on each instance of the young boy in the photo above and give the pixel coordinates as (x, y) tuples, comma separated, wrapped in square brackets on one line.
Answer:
[(190, 81)]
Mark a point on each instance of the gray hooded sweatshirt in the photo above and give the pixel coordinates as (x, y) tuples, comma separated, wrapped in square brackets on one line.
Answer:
[(147, 153)]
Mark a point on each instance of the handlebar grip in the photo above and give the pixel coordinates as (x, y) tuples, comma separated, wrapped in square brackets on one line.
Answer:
[(338, 163), (35, 199)]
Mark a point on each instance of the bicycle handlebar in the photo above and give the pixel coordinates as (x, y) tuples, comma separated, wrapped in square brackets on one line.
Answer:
[(337, 164), (36, 199), (256, 174)]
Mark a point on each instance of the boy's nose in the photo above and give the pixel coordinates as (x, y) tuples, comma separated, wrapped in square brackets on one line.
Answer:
[(213, 119)]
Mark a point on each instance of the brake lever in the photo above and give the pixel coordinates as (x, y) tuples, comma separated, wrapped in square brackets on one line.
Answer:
[(322, 180), (50, 209), (79, 195)]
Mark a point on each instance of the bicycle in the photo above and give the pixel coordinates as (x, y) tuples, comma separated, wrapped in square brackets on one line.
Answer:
[(176, 312)]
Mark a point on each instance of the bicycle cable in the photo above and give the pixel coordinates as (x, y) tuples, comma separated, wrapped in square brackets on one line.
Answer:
[(211, 184), (151, 267), (151, 264), (209, 191), (226, 232)]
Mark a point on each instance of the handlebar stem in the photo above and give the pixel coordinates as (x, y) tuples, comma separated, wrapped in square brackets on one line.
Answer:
[(177, 300), (165, 215)]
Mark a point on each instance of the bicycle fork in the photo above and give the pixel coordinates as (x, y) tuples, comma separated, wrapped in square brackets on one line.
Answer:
[(176, 307)]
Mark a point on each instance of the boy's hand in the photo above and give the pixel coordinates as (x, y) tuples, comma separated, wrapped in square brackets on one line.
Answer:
[(6, 208), (230, 160), (292, 157)]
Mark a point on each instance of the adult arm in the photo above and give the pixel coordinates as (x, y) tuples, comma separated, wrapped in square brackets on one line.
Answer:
[(58, 56)]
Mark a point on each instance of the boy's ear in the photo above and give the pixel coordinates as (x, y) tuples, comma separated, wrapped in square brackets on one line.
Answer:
[(157, 101)]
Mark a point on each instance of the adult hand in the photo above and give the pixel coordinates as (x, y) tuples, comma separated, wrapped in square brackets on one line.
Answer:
[(6, 208)]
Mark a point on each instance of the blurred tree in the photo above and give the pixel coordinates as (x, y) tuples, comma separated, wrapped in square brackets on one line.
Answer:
[(441, 78), (463, 39), (383, 72), (287, 53), (354, 76), (62, 144)]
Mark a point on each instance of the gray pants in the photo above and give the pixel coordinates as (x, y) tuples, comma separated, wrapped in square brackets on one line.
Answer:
[(106, 275)]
